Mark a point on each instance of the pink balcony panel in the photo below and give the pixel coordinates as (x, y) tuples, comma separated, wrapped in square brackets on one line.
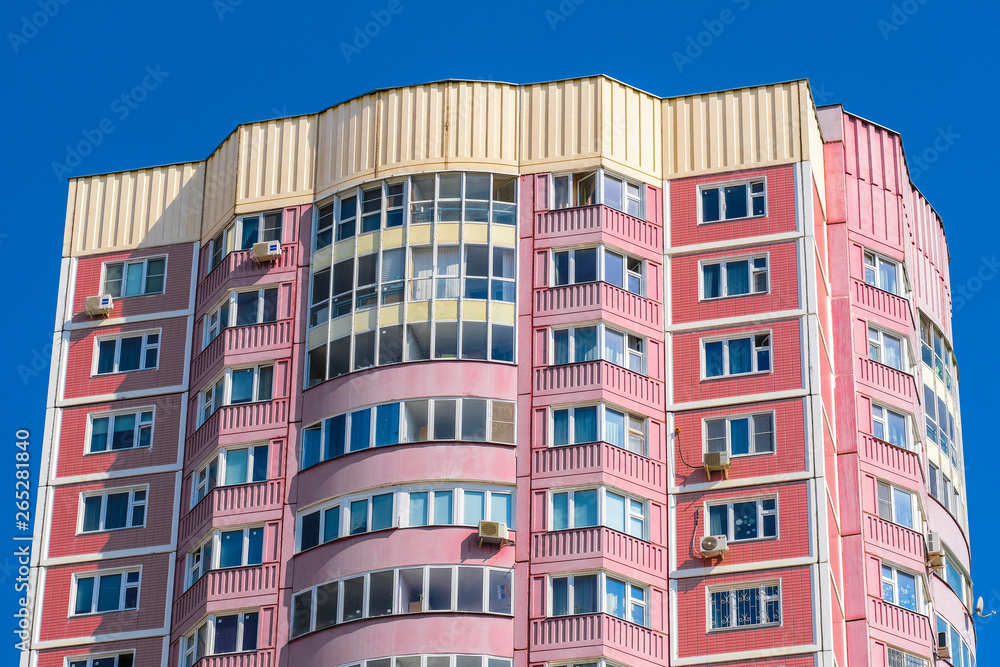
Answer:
[(891, 382), (902, 624), (599, 543), (593, 224), (239, 264), (891, 537), (587, 300), (630, 389), (239, 340), (233, 419), (256, 659), (239, 499), (595, 459), (596, 633), (232, 585), (889, 460), (886, 304)]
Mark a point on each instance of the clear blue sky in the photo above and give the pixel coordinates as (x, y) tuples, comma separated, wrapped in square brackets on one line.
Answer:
[(920, 67)]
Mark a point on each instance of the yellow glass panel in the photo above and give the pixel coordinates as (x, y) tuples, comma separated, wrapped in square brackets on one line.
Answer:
[(368, 243), (365, 319), (503, 313), (448, 233), (474, 310), (504, 235), (420, 234), (391, 314), (343, 250), (321, 258), (316, 336), (476, 232), (340, 327), (446, 309), (418, 311), (392, 238)]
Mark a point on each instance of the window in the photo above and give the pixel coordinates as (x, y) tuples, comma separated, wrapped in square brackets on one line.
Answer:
[(135, 278), (744, 520), (235, 386), (119, 660), (737, 356), (935, 351), (584, 508), (744, 606), (940, 423), (231, 633), (597, 187), (900, 587), (940, 487), (204, 480), (955, 577), (465, 419), (243, 233), (96, 593), (434, 588), (112, 510), (882, 273), (734, 277), (732, 201), (242, 308), (232, 466), (947, 636), (897, 658), (889, 426), (437, 660), (597, 593), (584, 265), (120, 430), (741, 435), (598, 423), (130, 352), (233, 547), (886, 348), (589, 343), (896, 505)]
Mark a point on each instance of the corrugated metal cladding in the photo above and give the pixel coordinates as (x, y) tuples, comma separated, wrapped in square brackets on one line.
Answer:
[(932, 282), (488, 126), (134, 209)]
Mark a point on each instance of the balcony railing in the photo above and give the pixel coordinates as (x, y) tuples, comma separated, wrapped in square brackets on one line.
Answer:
[(236, 418), (898, 621), (252, 338), (603, 296), (885, 303), (886, 378), (891, 458), (256, 497), (565, 632), (240, 264), (597, 457), (600, 542), (225, 584), (263, 658), (597, 376), (893, 537), (640, 235)]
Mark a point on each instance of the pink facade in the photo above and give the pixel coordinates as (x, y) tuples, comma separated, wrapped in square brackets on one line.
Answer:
[(726, 431)]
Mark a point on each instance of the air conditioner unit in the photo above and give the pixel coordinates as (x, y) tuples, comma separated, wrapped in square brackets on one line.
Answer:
[(714, 545), (99, 305), (266, 251), (943, 652), (935, 550), (716, 461), (492, 532)]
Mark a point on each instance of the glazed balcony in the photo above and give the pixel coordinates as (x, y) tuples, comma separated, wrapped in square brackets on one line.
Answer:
[(900, 623), (240, 265), (895, 539), (595, 224), (249, 418), (595, 460), (599, 544), (890, 461), (600, 377), (232, 584), (886, 304), (263, 658), (266, 337), (238, 499), (592, 634), (591, 301), (886, 379)]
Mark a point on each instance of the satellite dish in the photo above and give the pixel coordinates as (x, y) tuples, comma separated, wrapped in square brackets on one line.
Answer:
[(979, 605)]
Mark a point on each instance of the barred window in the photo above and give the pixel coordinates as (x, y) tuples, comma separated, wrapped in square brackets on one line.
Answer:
[(743, 607)]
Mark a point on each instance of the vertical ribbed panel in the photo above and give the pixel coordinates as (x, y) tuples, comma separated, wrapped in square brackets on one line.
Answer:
[(276, 159), (220, 186)]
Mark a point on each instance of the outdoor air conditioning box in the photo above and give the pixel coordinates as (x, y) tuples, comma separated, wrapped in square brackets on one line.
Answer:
[(100, 305), (492, 532), (266, 251), (716, 461), (943, 652), (714, 545)]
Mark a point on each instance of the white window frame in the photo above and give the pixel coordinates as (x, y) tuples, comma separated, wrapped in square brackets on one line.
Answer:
[(234, 231), (892, 507), (729, 503), (599, 174), (751, 432), (212, 321), (213, 542), (140, 425), (602, 594), (721, 187), (602, 409), (103, 494), (90, 659), (601, 268), (97, 575), (733, 590), (602, 510), (634, 360), (876, 347), (722, 263), (893, 581), (200, 479), (883, 420), (144, 348), (144, 261), (754, 349), (208, 393), (189, 642), (873, 261)]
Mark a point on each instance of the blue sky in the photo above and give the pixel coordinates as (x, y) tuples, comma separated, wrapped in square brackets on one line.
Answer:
[(921, 67)]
